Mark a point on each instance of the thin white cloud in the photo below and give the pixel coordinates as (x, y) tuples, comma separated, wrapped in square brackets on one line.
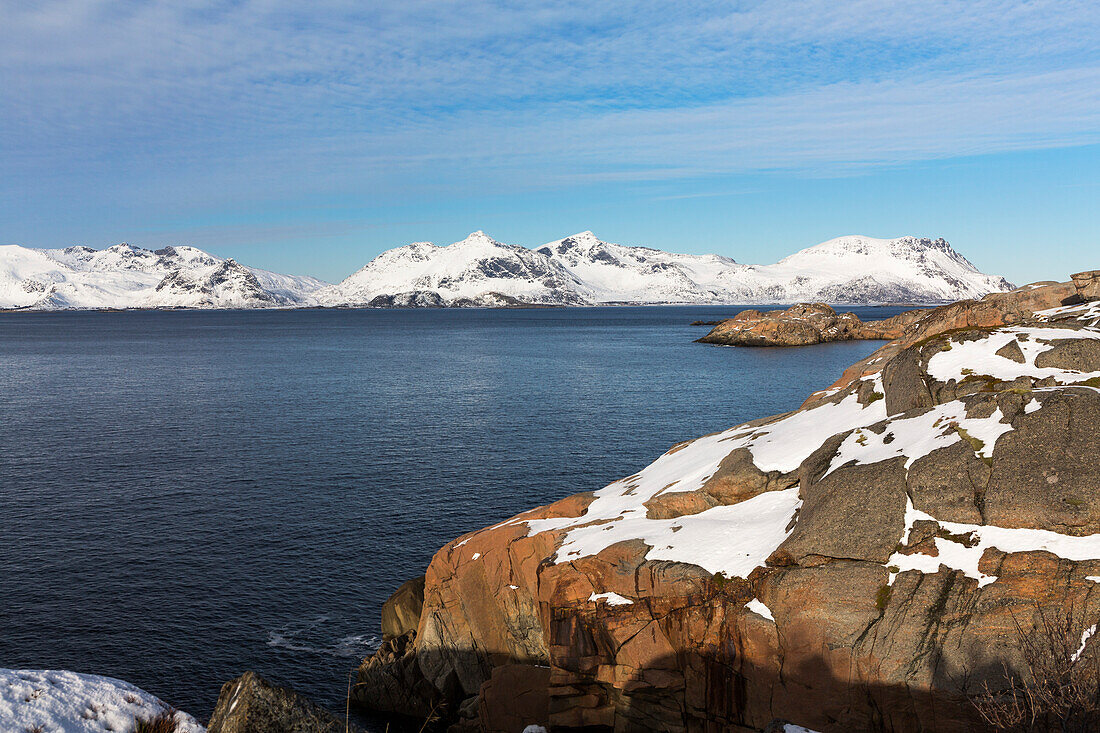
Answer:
[(442, 94)]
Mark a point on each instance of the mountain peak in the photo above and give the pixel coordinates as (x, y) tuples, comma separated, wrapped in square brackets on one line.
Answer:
[(478, 237)]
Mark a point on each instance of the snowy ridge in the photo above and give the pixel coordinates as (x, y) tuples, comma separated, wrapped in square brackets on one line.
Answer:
[(480, 271), (124, 276), (582, 269)]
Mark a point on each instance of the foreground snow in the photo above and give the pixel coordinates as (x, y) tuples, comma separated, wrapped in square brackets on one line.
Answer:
[(67, 702)]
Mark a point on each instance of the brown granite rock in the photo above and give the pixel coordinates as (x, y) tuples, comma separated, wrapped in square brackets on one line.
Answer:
[(401, 611), (1087, 284), (828, 633), (992, 311), (801, 325), (514, 697)]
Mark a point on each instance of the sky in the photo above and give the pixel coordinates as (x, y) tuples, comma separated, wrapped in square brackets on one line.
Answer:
[(309, 137)]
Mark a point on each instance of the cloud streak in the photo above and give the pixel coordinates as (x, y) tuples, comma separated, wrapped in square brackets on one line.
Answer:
[(267, 98)]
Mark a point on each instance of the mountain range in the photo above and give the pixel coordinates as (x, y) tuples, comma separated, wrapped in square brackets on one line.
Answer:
[(480, 271)]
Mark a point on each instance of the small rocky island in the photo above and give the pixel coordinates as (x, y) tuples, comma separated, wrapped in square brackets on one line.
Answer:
[(917, 548), (804, 324)]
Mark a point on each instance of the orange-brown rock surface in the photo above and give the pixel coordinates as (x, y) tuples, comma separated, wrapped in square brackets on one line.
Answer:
[(804, 324), (859, 564)]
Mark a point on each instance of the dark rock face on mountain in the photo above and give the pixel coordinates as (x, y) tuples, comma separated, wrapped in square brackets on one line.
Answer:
[(863, 563), (804, 324), (251, 704), (226, 282)]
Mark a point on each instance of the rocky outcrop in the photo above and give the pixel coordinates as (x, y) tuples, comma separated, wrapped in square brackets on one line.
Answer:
[(862, 563), (401, 611), (802, 325), (251, 704), (1087, 284)]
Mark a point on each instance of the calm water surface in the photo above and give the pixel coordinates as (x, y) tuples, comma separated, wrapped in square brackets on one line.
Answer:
[(186, 495)]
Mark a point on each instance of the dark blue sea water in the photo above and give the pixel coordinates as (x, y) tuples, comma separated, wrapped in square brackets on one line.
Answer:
[(187, 495)]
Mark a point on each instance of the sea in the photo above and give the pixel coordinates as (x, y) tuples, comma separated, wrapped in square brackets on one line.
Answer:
[(186, 495)]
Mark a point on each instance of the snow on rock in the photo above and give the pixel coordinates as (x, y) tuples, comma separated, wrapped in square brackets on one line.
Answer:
[(1088, 313), (611, 599), (124, 276), (916, 437), (979, 358), (67, 702), (1085, 636), (757, 607), (964, 556), (732, 539)]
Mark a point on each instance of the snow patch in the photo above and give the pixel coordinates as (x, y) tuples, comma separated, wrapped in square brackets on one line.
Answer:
[(916, 437), (757, 607), (67, 702), (611, 599), (979, 358), (1085, 636), (957, 556), (732, 539)]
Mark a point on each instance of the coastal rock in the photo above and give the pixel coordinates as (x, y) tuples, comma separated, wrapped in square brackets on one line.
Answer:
[(251, 704), (804, 324), (401, 611), (863, 563)]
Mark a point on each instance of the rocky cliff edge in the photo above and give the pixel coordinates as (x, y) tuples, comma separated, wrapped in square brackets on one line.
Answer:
[(861, 563)]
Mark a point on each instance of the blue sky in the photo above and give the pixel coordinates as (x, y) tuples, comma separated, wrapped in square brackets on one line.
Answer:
[(309, 137)]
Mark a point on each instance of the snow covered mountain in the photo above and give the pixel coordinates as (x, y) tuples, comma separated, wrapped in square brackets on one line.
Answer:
[(617, 273), (124, 276), (582, 269), (480, 271), (476, 271), (857, 269)]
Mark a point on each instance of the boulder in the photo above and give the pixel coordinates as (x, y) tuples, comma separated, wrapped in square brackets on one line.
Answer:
[(251, 704), (401, 611), (1087, 284)]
